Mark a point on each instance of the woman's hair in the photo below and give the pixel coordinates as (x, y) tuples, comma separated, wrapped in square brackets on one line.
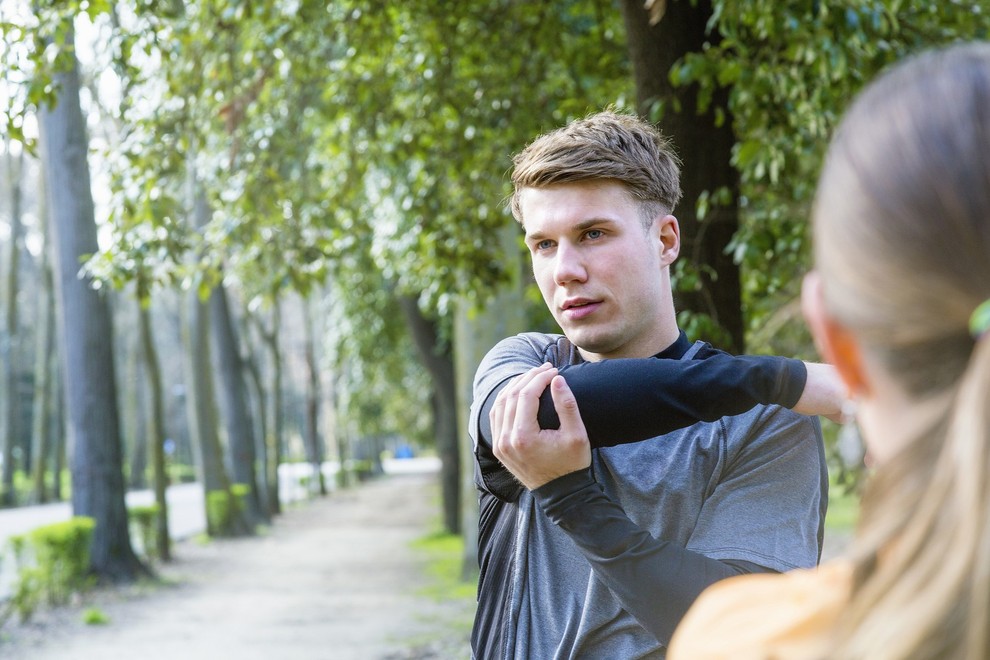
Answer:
[(603, 146), (902, 242)]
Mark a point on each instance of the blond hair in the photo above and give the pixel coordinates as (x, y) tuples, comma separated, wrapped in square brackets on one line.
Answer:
[(902, 240), (603, 146)]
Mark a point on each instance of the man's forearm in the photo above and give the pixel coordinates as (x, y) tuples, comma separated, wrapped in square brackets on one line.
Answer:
[(630, 400)]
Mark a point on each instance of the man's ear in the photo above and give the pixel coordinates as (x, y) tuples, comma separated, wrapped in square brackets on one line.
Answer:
[(670, 239), (835, 343)]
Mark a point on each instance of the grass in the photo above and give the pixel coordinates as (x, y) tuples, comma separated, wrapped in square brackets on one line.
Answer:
[(449, 624), (93, 616), (444, 553), (843, 510)]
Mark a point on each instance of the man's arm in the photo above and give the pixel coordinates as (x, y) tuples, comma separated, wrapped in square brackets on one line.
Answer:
[(656, 581), (629, 400)]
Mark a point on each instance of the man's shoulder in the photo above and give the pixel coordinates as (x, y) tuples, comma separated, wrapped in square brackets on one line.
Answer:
[(533, 346), (517, 354)]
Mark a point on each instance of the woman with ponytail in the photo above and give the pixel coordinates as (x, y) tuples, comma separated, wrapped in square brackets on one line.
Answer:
[(899, 302)]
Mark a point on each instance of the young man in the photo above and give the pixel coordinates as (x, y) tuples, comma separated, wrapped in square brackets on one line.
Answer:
[(596, 537)]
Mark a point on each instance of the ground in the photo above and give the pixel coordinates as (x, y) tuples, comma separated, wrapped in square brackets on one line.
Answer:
[(336, 578)]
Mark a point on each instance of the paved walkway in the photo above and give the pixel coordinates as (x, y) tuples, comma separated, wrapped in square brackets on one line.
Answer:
[(334, 578)]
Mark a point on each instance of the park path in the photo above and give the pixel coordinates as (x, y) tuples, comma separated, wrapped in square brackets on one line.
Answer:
[(333, 578)]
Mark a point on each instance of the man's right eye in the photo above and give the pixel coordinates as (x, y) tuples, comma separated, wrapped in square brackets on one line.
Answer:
[(545, 244)]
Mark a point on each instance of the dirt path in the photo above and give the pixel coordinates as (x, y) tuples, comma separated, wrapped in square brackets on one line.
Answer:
[(335, 578)]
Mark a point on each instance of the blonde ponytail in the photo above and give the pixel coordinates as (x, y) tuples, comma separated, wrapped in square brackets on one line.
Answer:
[(902, 242)]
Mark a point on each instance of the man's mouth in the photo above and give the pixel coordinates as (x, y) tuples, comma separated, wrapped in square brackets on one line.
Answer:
[(579, 308)]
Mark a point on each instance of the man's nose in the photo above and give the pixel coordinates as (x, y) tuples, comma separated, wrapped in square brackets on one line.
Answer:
[(569, 266)]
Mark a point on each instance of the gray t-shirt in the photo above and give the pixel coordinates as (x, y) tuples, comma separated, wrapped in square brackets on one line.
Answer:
[(749, 487)]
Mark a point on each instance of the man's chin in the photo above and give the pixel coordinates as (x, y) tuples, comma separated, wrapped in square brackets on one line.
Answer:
[(590, 342)]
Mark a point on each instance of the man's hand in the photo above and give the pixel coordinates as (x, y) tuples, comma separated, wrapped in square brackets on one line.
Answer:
[(533, 455)]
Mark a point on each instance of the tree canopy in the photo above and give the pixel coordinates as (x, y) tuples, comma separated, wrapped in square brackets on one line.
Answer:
[(359, 150)]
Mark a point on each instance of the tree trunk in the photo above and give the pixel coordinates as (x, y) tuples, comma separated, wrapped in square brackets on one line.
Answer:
[(234, 402), (341, 432), (57, 393), (8, 342), (156, 433), (86, 336), (313, 440), (201, 401), (43, 359), (277, 440), (475, 333), (705, 149), (274, 427), (440, 364), (253, 373), (135, 422)]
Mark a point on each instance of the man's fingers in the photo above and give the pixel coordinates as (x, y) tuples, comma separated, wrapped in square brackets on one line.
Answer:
[(528, 400), (495, 417), (566, 405), (505, 416)]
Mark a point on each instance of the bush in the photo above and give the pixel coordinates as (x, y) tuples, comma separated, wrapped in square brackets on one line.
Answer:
[(180, 473), (94, 617), (223, 507), (145, 518), (218, 511), (53, 563)]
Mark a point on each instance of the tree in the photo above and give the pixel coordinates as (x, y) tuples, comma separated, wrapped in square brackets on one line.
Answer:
[(274, 426), (780, 74), (312, 438), (156, 432), (706, 279), (431, 118), (41, 435), (9, 338), (226, 519), (229, 370), (438, 358), (86, 329)]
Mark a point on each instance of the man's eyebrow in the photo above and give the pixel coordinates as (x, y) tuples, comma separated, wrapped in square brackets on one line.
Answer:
[(592, 222), (537, 236)]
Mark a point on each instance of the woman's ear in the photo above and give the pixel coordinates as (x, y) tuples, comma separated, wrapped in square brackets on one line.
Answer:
[(835, 343), (670, 239)]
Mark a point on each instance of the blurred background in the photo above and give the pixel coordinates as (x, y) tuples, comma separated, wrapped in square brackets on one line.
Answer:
[(261, 246)]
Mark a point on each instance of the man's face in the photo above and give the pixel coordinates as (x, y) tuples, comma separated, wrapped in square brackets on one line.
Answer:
[(602, 275)]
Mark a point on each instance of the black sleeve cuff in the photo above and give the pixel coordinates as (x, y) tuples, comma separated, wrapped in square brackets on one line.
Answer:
[(561, 492)]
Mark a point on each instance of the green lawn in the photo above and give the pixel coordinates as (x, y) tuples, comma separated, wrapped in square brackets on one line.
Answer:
[(843, 509)]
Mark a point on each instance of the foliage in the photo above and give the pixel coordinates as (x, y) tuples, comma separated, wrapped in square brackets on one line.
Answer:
[(843, 509), (365, 142), (428, 117), (358, 150), (181, 473), (791, 68), (93, 616), (53, 563)]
